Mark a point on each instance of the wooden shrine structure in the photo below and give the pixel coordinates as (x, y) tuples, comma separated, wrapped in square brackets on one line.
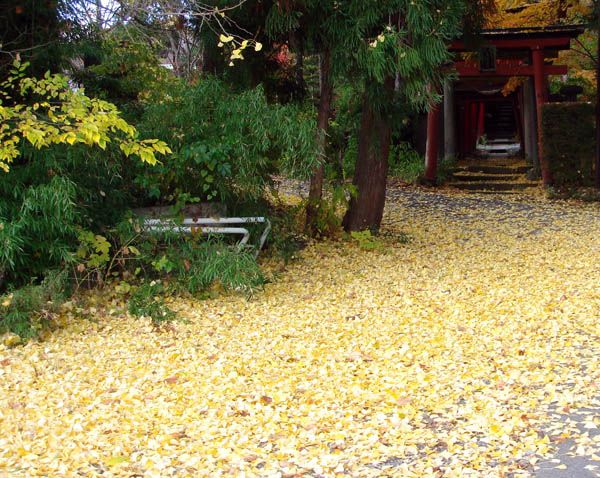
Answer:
[(454, 126)]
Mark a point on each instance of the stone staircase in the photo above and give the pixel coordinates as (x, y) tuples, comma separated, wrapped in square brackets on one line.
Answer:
[(502, 125), (492, 176)]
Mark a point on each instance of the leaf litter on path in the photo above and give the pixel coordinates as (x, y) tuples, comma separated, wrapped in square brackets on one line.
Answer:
[(446, 356)]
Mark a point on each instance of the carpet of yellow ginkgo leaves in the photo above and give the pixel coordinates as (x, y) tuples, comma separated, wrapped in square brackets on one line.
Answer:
[(440, 357)]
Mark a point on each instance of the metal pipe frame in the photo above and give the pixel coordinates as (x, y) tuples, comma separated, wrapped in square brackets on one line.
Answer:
[(208, 225)]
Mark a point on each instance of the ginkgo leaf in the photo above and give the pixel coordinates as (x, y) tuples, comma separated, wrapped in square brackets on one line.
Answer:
[(116, 460)]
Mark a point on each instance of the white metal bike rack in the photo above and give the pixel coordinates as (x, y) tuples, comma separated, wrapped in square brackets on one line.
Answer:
[(208, 225)]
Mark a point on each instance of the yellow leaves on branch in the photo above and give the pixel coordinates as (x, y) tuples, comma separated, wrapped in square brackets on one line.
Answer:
[(63, 115), (225, 38), (512, 84), (513, 14), (236, 48)]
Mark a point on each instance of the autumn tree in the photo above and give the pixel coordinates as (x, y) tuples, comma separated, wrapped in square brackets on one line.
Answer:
[(400, 61), (518, 13)]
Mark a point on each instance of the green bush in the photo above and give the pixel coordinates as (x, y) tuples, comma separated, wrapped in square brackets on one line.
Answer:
[(61, 208), (198, 265), (190, 263), (406, 163), (568, 134), (226, 143), (188, 266), (122, 68), (36, 227), (31, 308), (147, 301), (48, 198)]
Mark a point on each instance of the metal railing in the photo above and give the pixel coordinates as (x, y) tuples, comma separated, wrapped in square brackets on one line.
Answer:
[(208, 225)]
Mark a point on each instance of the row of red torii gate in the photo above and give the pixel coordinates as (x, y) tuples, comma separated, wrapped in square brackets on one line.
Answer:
[(476, 106)]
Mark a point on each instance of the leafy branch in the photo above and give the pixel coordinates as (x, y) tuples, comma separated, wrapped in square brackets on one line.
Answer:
[(48, 111)]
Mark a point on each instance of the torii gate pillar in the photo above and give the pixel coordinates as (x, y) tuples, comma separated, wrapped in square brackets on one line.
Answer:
[(433, 139), (449, 121), (541, 97)]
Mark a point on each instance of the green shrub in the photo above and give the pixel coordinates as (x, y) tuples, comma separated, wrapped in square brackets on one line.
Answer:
[(568, 134), (31, 308), (192, 267), (195, 266), (147, 301), (190, 263), (48, 198), (226, 144), (36, 227), (122, 68), (406, 163), (234, 270)]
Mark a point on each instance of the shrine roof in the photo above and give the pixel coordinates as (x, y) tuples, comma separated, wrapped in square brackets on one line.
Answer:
[(557, 37), (551, 31)]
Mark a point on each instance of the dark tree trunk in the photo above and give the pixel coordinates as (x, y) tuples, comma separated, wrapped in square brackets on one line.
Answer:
[(370, 175), (316, 180), (597, 162), (299, 88)]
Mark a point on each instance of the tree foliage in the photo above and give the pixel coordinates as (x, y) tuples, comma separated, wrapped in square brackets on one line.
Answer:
[(519, 13), (226, 143), (49, 111)]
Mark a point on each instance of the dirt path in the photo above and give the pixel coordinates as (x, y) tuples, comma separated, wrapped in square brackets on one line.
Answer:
[(440, 357)]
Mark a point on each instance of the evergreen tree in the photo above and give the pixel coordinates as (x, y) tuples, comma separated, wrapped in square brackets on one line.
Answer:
[(313, 28), (401, 63), (29, 30), (394, 50)]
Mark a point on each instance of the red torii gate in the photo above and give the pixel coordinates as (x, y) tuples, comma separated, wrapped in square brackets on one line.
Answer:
[(516, 52)]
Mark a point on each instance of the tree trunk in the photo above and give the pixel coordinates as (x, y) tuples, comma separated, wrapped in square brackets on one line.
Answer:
[(299, 89), (370, 175), (99, 15), (597, 162), (316, 180)]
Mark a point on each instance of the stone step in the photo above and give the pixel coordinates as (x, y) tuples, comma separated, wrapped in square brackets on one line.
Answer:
[(485, 177), (485, 186), (496, 193), (496, 169)]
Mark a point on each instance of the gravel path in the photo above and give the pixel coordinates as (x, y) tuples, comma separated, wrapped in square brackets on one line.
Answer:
[(465, 207), (525, 218)]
